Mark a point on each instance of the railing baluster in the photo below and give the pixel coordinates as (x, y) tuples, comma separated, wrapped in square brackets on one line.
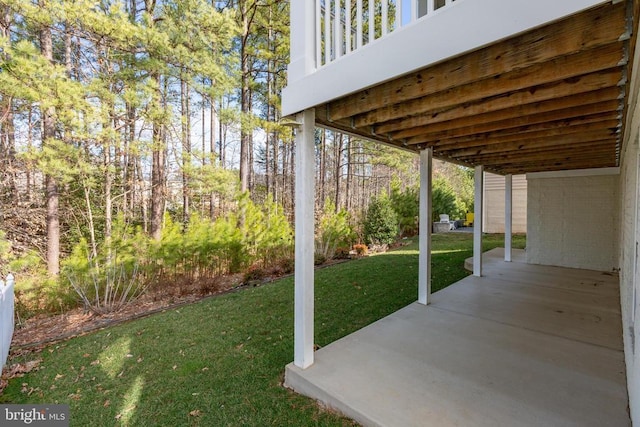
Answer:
[(327, 31), (372, 22), (359, 24), (347, 25), (339, 35), (385, 17), (318, 34), (337, 28)]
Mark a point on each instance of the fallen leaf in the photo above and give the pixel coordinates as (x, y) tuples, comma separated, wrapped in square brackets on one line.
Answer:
[(195, 413), (205, 369), (107, 403), (174, 367), (95, 362), (58, 376), (118, 416), (140, 359)]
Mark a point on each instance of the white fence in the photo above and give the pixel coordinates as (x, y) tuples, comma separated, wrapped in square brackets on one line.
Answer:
[(6, 317), (343, 26)]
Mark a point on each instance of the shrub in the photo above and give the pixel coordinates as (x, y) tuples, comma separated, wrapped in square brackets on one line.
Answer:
[(342, 253), (444, 200), (406, 205), (287, 265), (254, 273), (35, 293), (319, 259), (334, 230), (106, 282), (381, 222), (361, 250)]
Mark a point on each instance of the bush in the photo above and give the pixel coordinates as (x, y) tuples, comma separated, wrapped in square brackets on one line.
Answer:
[(35, 293), (361, 250), (445, 200), (381, 222), (319, 259), (406, 205), (254, 273), (334, 230)]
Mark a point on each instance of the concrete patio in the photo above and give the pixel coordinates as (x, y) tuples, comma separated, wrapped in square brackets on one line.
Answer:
[(524, 345)]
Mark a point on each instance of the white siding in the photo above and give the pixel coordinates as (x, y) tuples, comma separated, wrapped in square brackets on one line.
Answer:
[(573, 220), (629, 238), (494, 204)]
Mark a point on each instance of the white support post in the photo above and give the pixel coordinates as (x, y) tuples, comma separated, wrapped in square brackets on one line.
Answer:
[(424, 263), (303, 33), (304, 242), (508, 215), (477, 221)]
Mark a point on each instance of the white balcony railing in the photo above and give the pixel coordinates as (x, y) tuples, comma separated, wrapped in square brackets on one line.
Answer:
[(343, 26), (339, 47)]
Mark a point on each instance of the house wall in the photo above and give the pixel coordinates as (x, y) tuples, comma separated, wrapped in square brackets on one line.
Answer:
[(629, 207), (572, 219), (493, 218)]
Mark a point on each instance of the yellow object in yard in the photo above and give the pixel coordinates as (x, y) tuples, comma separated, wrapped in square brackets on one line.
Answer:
[(469, 221)]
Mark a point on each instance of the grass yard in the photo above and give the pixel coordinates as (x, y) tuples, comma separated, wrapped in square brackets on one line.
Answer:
[(221, 361)]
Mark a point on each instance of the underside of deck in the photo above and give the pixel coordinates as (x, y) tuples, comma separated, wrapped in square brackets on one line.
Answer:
[(524, 345), (553, 98)]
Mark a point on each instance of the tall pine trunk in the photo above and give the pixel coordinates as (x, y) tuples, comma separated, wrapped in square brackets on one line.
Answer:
[(157, 168), (51, 186)]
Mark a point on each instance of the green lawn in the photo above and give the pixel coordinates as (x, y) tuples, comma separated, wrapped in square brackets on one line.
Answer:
[(221, 361)]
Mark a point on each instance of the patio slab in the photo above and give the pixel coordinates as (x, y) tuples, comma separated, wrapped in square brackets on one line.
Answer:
[(489, 351)]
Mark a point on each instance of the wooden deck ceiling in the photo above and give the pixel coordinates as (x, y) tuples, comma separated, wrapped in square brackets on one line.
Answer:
[(553, 98)]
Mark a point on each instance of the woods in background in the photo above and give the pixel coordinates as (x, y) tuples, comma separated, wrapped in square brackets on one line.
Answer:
[(140, 142)]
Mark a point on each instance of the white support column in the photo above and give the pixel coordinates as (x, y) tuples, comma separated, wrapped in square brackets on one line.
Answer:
[(424, 263), (303, 34), (304, 222), (477, 221), (508, 215)]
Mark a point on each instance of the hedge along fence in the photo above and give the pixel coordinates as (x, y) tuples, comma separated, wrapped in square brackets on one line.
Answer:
[(6, 316)]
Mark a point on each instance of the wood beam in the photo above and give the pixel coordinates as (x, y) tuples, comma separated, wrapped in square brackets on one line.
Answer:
[(570, 68), (521, 122), (560, 139), (567, 156), (488, 114), (607, 145), (596, 122), (517, 169), (591, 29)]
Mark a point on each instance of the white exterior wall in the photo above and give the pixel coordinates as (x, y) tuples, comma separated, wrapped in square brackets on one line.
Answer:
[(629, 208), (573, 219), (494, 204)]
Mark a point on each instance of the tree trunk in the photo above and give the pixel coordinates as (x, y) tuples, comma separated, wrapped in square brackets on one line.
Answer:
[(51, 186), (338, 143), (186, 148), (347, 190), (157, 170)]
